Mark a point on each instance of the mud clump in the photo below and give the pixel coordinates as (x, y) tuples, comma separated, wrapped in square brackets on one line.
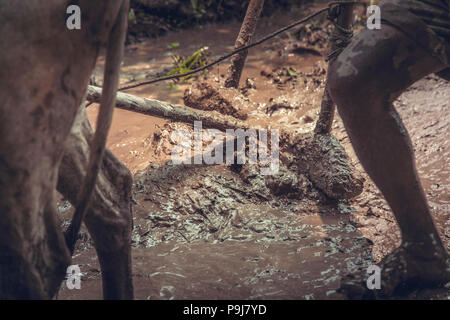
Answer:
[(330, 169), (312, 38), (288, 183), (249, 85), (213, 96), (292, 101), (308, 163), (327, 165)]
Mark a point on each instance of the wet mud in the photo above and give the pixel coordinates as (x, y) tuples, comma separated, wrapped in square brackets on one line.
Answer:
[(227, 232), (214, 97)]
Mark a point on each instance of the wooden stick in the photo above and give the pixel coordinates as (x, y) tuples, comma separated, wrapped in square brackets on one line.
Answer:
[(175, 112), (327, 108), (244, 38)]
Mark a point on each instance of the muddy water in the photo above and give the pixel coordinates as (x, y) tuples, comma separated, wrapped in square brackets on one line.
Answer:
[(202, 232), (153, 58)]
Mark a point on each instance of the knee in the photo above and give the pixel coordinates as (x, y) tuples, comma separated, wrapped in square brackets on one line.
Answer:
[(110, 225), (346, 85), (120, 177), (110, 219)]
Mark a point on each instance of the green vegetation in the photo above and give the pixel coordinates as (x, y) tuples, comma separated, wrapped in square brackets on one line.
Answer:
[(131, 17), (292, 72), (173, 45), (182, 65)]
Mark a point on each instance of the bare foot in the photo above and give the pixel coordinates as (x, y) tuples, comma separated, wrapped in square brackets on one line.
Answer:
[(408, 268)]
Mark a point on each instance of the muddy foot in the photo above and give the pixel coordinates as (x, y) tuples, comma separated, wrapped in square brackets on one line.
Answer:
[(405, 270)]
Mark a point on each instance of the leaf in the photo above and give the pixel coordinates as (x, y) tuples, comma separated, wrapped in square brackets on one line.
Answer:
[(173, 45), (197, 59), (292, 72)]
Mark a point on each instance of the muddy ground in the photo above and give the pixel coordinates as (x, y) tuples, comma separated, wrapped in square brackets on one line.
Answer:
[(211, 232)]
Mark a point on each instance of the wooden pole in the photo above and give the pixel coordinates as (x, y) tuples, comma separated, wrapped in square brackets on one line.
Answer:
[(244, 38), (166, 110), (326, 116)]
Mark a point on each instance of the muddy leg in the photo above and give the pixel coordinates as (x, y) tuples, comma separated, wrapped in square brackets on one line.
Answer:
[(375, 68), (33, 254), (109, 219)]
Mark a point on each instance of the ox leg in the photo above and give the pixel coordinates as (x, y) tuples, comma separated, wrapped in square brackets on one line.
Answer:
[(44, 74), (109, 219), (33, 254)]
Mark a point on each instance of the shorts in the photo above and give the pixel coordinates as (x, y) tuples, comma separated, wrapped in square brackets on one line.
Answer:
[(427, 22)]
